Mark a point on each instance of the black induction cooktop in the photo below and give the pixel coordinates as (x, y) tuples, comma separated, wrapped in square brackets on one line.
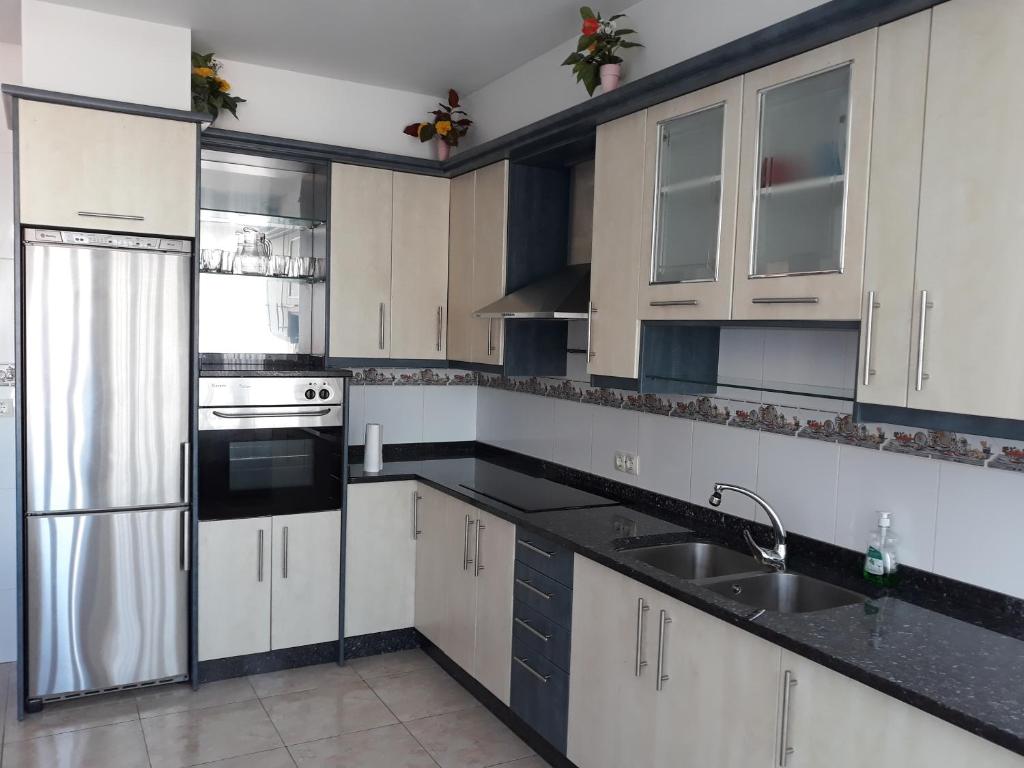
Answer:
[(529, 494)]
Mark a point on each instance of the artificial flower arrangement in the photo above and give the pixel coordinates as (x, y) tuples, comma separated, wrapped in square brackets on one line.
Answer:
[(210, 91), (595, 59), (447, 126)]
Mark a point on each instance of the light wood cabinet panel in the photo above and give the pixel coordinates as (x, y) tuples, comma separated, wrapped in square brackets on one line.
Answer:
[(306, 564), (380, 558), (75, 163), (615, 258), (691, 201), (459, 632), (490, 234), (432, 566), (461, 250), (969, 260), (234, 587), (891, 250), (419, 267), (361, 223), (495, 569), (778, 189)]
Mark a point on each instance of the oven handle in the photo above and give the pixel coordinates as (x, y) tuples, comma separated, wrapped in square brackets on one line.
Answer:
[(250, 415)]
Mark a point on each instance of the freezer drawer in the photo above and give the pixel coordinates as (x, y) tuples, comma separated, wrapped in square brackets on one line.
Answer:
[(107, 600)]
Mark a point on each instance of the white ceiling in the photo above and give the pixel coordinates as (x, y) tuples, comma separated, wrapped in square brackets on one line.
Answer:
[(425, 46)]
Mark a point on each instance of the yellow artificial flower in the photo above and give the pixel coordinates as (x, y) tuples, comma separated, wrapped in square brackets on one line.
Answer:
[(223, 85), (202, 71), (443, 127)]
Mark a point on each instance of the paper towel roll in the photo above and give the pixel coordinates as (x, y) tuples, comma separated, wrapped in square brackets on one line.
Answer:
[(373, 448)]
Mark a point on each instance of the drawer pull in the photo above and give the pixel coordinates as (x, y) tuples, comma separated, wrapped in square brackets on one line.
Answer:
[(120, 216), (526, 544), (676, 303), (526, 584), (522, 663), (786, 300), (529, 628)]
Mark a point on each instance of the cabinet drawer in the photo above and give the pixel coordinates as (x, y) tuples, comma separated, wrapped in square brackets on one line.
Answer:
[(540, 694), (543, 594), (541, 555), (531, 627)]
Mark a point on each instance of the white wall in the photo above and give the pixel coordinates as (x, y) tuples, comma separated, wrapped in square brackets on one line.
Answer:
[(111, 57), (411, 413), (671, 31)]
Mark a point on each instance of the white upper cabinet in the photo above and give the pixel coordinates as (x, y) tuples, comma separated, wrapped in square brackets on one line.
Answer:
[(804, 184), (91, 169), (691, 170)]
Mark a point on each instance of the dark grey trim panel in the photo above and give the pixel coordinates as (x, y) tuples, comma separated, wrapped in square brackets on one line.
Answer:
[(107, 105), (615, 382), (477, 367), (193, 663), (271, 661), (989, 426), (343, 543), (19, 432)]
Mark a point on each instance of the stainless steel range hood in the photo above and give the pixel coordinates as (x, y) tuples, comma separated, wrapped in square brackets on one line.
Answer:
[(564, 295)]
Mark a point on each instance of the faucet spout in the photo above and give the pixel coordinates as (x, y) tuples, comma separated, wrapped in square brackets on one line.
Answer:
[(774, 557)]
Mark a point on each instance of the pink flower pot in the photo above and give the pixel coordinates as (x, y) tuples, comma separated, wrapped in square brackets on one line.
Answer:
[(610, 74), (443, 150)]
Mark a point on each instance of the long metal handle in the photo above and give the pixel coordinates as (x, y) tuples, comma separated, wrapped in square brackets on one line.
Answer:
[(641, 609), (676, 303), (522, 663), (477, 565), (786, 300), (380, 342), (284, 552), (788, 681), (248, 415), (662, 677), (466, 560), (490, 343), (525, 584), (869, 325), (121, 216), (259, 556), (186, 472), (440, 322), (921, 375), (416, 514), (530, 628), (526, 544), (186, 540), (591, 309)]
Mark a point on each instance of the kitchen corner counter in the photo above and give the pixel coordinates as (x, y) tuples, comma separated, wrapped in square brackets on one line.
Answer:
[(963, 673)]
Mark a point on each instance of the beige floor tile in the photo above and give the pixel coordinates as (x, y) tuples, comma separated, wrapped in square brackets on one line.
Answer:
[(473, 738), (389, 664), (388, 747), (275, 758), (344, 707), (168, 699), (526, 762), (109, 746), (422, 694), (76, 715), (205, 735), (300, 679)]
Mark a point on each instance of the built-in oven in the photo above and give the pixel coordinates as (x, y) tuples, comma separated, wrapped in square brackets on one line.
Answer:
[(270, 446)]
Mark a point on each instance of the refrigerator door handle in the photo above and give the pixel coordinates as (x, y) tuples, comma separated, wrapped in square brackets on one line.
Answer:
[(186, 540), (186, 472)]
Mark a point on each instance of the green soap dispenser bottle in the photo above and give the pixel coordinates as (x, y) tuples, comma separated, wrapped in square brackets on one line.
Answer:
[(880, 563)]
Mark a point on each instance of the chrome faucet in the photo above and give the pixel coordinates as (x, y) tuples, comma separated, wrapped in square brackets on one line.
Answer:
[(775, 557)]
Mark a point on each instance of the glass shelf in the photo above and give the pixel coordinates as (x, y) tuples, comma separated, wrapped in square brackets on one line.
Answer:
[(804, 185), (264, 277), (707, 182), (257, 220), (779, 388)]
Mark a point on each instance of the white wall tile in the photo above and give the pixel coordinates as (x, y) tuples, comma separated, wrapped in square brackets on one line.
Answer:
[(449, 413), (573, 432), (8, 549), (357, 414), (516, 421), (727, 455), (980, 527), (799, 477), (399, 410), (665, 448), (876, 481), (8, 625), (614, 430), (490, 416)]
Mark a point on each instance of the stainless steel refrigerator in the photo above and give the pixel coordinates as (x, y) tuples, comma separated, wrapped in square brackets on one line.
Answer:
[(107, 460)]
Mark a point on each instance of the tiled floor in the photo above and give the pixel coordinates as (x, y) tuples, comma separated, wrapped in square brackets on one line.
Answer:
[(394, 711)]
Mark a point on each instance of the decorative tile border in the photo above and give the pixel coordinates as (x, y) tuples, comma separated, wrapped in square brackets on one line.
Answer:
[(428, 377), (940, 445)]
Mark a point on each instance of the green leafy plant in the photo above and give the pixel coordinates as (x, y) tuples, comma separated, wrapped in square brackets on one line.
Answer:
[(599, 42), (447, 124), (210, 92)]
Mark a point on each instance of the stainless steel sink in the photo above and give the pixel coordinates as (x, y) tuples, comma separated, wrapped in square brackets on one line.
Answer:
[(694, 560), (785, 593)]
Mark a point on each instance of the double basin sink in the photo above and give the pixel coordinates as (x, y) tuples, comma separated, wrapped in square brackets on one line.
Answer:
[(739, 577)]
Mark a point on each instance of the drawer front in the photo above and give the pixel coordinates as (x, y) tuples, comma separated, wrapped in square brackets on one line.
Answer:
[(540, 694), (543, 556), (543, 594), (531, 627)]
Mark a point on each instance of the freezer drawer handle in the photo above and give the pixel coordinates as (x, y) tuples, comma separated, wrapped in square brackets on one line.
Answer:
[(186, 540)]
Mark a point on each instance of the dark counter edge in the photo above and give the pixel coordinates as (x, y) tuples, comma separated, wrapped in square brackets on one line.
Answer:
[(693, 515), (322, 373)]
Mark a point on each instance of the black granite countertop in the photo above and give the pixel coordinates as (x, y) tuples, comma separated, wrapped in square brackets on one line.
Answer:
[(245, 373), (966, 674)]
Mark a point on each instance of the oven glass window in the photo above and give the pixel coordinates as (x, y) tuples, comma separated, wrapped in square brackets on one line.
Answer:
[(264, 464)]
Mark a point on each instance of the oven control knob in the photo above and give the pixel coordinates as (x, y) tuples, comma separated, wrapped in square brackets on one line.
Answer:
[(310, 394), (324, 394)]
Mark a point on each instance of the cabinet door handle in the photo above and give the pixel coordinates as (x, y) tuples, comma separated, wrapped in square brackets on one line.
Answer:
[(259, 555), (529, 628), (478, 566), (186, 539), (416, 514), (921, 375), (522, 663), (591, 309), (284, 552), (186, 472), (526, 584), (119, 216), (676, 303), (440, 325), (662, 677), (526, 544), (466, 560), (786, 300), (868, 332), (380, 340), (641, 609), (490, 343), (788, 681)]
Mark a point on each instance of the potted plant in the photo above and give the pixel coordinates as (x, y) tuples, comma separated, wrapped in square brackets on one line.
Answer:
[(450, 124), (210, 91), (595, 58)]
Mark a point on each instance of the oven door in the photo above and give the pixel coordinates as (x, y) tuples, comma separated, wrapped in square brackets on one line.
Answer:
[(269, 461)]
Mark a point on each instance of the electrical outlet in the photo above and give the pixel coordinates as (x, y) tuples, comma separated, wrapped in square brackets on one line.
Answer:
[(627, 463), (620, 461), (6, 407)]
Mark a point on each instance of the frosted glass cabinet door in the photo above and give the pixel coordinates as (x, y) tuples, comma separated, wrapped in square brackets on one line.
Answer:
[(691, 170), (804, 174)]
